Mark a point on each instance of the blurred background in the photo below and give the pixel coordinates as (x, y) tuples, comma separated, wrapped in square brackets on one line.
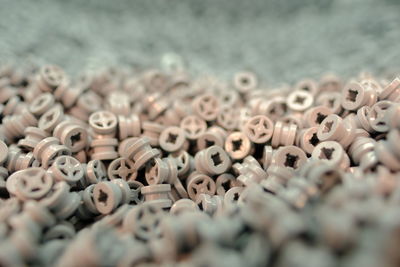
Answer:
[(281, 40)]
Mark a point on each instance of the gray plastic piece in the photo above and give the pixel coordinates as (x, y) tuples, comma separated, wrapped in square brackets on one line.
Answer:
[(290, 157), (141, 152), (51, 118), (48, 149), (214, 136), (104, 149), (238, 145), (95, 172), (72, 135), (224, 182), (193, 126), (51, 77), (228, 118), (118, 103), (33, 135), (32, 183), (103, 122), (143, 221), (129, 126), (249, 171), (300, 100), (213, 160), (198, 183), (14, 125), (283, 134), (41, 104), (377, 116), (184, 205), (157, 195), (355, 95), (332, 153), (68, 169), (206, 106), (152, 131), (3, 152), (245, 81), (109, 195), (335, 128), (60, 201), (172, 139), (259, 129), (122, 168)]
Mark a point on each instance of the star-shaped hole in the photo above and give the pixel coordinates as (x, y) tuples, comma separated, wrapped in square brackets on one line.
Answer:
[(209, 143), (352, 95), (327, 127), (299, 100), (216, 158), (172, 138), (326, 153), (75, 138), (291, 160), (320, 117), (102, 197), (237, 144), (314, 139)]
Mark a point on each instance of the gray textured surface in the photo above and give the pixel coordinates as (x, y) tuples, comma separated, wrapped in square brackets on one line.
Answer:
[(282, 40)]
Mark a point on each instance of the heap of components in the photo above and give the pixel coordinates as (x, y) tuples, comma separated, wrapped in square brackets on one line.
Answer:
[(130, 168)]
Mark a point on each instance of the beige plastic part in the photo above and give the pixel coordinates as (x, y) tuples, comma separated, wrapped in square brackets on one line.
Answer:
[(172, 139), (249, 171), (238, 145), (104, 149), (198, 183), (206, 106), (3, 152), (140, 152), (103, 122), (259, 129), (157, 195), (212, 161), (109, 195), (122, 168), (47, 150), (215, 135), (283, 134), (335, 128), (129, 126), (289, 157), (245, 81), (332, 153), (33, 135), (72, 135), (183, 205), (300, 100)]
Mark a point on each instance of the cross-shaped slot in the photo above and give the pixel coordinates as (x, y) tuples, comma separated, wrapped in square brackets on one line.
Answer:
[(172, 138), (209, 143), (352, 95), (320, 117), (50, 117), (291, 160), (216, 158), (326, 153), (244, 80), (299, 100), (237, 144), (102, 197), (327, 127), (75, 138), (314, 139)]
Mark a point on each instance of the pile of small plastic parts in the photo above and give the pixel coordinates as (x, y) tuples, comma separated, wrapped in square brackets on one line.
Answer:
[(143, 168)]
